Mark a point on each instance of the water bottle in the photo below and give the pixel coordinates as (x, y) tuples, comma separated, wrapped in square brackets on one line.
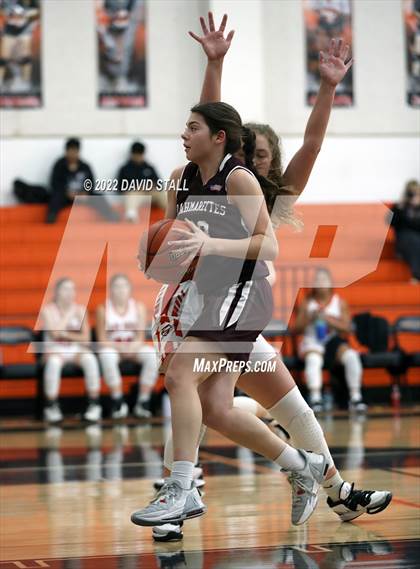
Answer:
[(321, 329)]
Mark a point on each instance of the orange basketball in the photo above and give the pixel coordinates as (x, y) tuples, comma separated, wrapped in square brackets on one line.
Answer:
[(160, 262)]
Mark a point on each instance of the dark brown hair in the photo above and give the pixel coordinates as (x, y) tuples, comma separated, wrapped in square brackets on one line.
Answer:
[(221, 116)]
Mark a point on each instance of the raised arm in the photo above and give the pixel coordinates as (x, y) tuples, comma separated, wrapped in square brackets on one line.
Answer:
[(215, 46), (332, 68)]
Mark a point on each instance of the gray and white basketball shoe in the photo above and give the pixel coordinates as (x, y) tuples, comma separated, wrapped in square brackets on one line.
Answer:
[(306, 484), (172, 504)]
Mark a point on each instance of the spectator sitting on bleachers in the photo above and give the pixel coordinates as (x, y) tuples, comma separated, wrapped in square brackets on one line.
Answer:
[(134, 171), (406, 223), (66, 340), (67, 180), (322, 318), (120, 328)]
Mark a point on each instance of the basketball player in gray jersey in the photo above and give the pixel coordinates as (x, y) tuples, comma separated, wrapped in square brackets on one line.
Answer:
[(279, 387), (237, 307)]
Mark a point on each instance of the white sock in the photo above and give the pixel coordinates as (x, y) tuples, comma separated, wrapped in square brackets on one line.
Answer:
[(353, 373), (182, 471), (295, 415), (313, 374), (332, 486), (290, 459), (336, 487)]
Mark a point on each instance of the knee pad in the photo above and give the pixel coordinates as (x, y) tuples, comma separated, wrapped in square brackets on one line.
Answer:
[(306, 433)]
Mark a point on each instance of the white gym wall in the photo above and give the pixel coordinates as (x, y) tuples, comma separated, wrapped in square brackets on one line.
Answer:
[(370, 151)]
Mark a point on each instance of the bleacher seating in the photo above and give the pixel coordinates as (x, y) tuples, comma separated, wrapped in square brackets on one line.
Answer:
[(29, 249)]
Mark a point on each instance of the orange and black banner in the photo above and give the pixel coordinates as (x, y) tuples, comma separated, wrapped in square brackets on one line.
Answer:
[(412, 47), (121, 31), (20, 46), (324, 20)]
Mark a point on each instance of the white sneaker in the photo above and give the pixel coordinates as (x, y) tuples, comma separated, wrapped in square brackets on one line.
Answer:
[(141, 412), (172, 504), (306, 484), (119, 411), (353, 503), (168, 532), (93, 413), (52, 413)]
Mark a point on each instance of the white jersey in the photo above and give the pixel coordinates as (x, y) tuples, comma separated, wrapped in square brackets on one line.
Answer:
[(72, 323), (176, 309), (310, 338), (121, 327)]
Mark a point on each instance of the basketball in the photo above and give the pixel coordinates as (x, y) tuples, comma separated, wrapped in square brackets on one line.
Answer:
[(159, 260)]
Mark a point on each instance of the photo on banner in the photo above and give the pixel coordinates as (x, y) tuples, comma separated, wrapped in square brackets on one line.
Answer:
[(121, 31), (324, 20), (20, 47), (412, 46)]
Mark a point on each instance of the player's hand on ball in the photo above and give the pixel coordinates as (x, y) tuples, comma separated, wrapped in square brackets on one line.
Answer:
[(196, 242), (332, 64), (214, 43)]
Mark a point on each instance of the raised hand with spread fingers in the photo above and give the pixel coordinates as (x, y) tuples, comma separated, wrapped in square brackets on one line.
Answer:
[(214, 42), (332, 64)]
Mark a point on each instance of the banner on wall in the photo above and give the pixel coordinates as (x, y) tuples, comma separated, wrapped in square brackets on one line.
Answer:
[(20, 43), (121, 31), (412, 44), (324, 20)]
